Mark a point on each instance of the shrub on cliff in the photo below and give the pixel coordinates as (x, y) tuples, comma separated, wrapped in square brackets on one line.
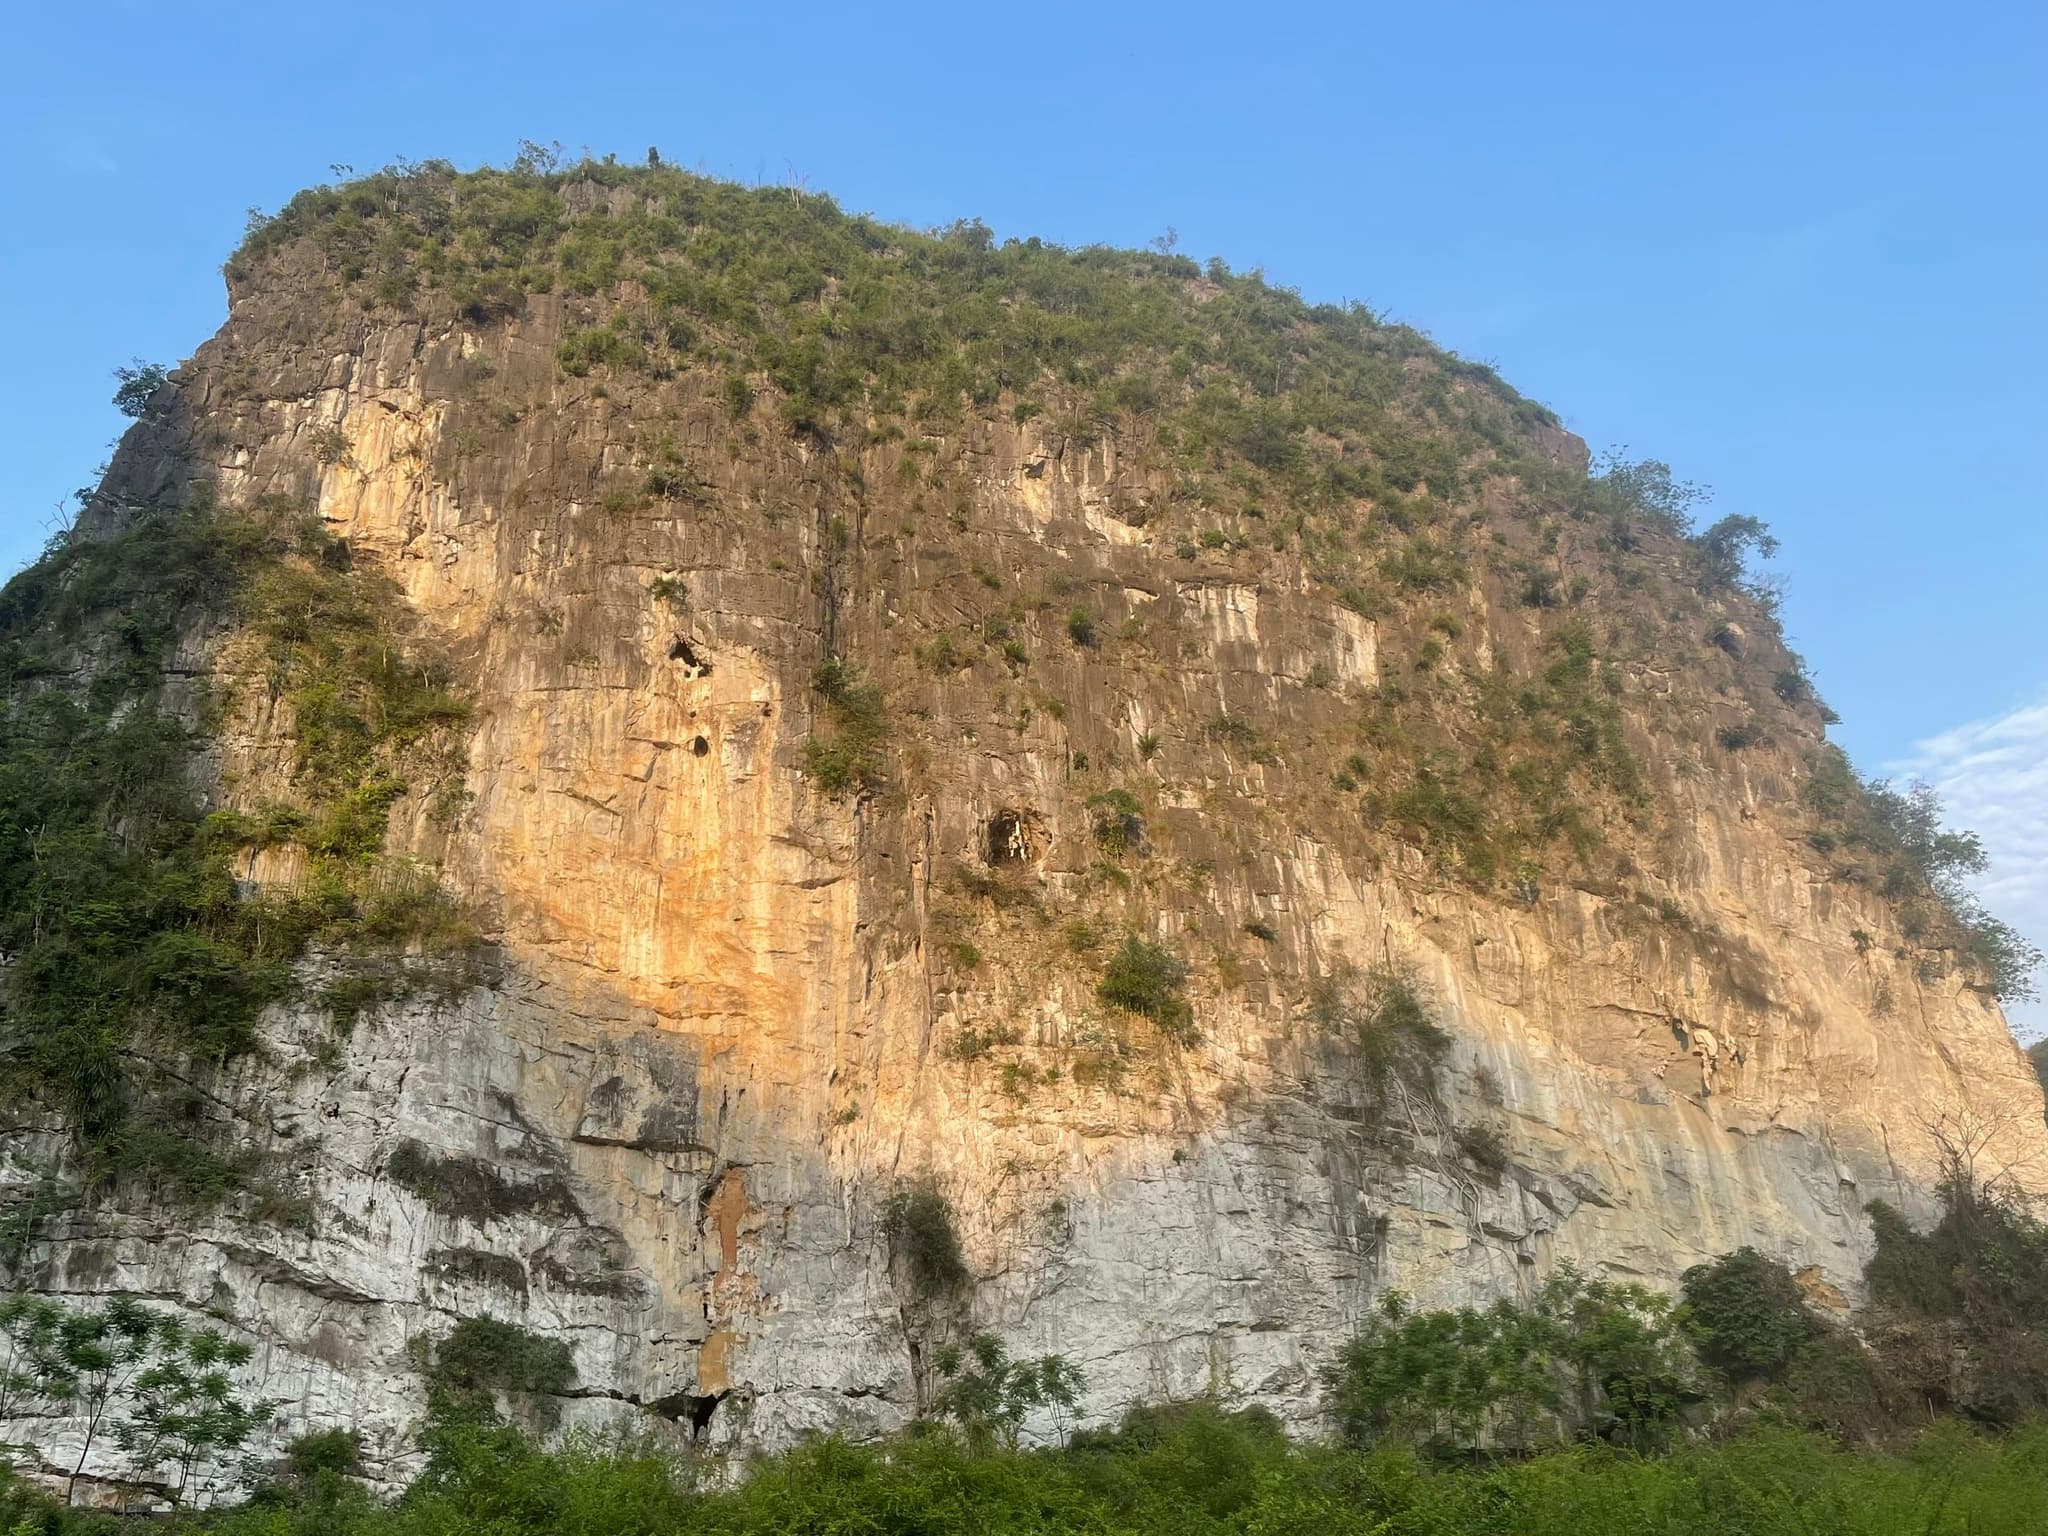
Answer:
[(1965, 1304), (923, 1237), (1381, 1015), (1747, 1316), (849, 757), (1151, 981), (481, 1358)]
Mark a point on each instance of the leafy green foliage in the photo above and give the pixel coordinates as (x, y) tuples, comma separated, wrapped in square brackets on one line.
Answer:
[(177, 1385), (849, 757), (1919, 863), (1188, 1469), (1584, 1357), (1115, 821), (988, 1395), (136, 953), (1382, 1017), (481, 1359), (1149, 980), (137, 383), (1723, 550), (1973, 1290), (1746, 1315), (186, 1410), (923, 1236)]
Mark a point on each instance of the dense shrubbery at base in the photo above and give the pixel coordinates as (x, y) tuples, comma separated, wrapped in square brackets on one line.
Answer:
[(1189, 1471)]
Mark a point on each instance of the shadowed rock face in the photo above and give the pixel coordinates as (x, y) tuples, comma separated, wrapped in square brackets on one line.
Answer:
[(733, 1011)]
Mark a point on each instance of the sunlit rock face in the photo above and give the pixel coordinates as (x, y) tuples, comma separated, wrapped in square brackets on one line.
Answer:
[(727, 1013)]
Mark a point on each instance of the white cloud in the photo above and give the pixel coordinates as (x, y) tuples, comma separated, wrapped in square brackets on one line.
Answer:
[(1992, 776)]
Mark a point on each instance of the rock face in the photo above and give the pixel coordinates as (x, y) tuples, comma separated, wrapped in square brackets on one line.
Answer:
[(730, 1012)]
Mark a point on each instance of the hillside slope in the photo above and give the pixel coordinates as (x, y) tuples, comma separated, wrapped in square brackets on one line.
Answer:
[(727, 732)]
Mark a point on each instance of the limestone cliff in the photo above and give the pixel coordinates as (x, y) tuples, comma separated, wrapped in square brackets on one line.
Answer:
[(1111, 679)]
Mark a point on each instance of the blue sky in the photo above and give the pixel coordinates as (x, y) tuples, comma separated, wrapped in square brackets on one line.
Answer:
[(1800, 252)]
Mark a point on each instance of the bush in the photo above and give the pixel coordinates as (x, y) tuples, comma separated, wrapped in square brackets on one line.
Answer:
[(1584, 1357), (1149, 980), (1115, 821), (1972, 1292), (918, 1222), (849, 758), (481, 1358), (1483, 1149), (1081, 627), (1746, 1315), (137, 383), (1382, 1016)]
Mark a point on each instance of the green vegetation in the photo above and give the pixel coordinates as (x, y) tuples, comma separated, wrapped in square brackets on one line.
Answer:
[(481, 1359), (1965, 1304), (987, 1394), (1584, 1358), (1116, 821), (1594, 1406), (1489, 795), (849, 318), (1747, 1316), (162, 1392), (849, 757), (1382, 1018), (136, 954), (138, 382), (1895, 838), (1149, 980), (1189, 1470), (918, 1222)]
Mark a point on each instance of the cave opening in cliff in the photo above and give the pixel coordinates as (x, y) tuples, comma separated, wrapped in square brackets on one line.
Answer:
[(1005, 840), (686, 653), (692, 1408)]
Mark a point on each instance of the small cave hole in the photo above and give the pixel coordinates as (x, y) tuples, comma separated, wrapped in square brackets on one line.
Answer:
[(1005, 840), (686, 653), (699, 746)]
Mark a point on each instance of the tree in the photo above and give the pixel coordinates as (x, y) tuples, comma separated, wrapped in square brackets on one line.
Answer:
[(91, 1359), (1746, 1315), (1725, 547), (1583, 1357), (30, 1325), (988, 1394), (187, 1411), (138, 383)]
